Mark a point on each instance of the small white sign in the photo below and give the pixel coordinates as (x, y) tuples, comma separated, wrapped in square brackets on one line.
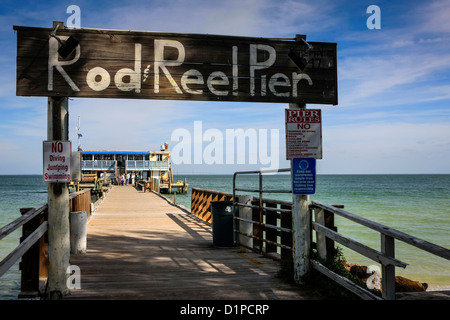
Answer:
[(76, 166), (303, 133), (57, 161)]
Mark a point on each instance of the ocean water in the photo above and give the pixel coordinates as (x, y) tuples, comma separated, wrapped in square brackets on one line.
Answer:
[(416, 204)]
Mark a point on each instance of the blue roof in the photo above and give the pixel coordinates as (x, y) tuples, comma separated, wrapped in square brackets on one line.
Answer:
[(115, 152)]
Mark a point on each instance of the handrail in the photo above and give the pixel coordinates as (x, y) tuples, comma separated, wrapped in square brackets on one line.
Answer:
[(14, 225), (13, 256), (326, 234), (32, 233), (414, 241), (385, 257), (265, 217), (23, 247)]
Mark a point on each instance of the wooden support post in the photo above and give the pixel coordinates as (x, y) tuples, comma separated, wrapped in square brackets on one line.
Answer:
[(245, 227), (286, 238), (30, 263), (257, 230), (301, 228), (271, 234), (388, 271), (58, 206), (329, 223), (320, 238)]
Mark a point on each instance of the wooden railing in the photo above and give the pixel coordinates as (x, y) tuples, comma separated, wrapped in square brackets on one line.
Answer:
[(33, 247), (81, 201), (201, 202), (270, 228), (386, 257), (268, 225)]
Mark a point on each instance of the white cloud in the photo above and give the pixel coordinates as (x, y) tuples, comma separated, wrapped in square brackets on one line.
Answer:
[(387, 148), (435, 17), (368, 76), (233, 17)]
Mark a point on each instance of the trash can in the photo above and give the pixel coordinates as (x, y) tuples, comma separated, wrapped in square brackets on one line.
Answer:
[(222, 223)]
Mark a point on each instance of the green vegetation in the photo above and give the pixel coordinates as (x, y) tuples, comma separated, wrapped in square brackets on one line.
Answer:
[(328, 287), (318, 282)]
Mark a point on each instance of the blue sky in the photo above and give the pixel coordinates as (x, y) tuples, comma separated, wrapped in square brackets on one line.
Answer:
[(393, 114)]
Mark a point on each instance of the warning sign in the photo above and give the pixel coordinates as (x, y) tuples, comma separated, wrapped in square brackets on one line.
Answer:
[(303, 133), (303, 176), (57, 162)]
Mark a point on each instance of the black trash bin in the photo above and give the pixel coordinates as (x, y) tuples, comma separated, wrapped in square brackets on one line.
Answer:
[(222, 223)]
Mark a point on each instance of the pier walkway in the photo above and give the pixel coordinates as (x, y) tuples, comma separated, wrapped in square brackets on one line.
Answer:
[(141, 246)]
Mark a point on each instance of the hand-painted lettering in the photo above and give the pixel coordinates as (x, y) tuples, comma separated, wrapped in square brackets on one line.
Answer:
[(262, 80)]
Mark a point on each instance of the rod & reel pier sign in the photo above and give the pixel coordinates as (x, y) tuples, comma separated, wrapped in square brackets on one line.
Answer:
[(176, 66)]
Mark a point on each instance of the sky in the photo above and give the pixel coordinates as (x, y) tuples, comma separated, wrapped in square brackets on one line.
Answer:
[(393, 112)]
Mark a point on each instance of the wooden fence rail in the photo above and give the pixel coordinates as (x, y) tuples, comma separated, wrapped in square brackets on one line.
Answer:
[(386, 257), (271, 227), (201, 202), (270, 231), (33, 247)]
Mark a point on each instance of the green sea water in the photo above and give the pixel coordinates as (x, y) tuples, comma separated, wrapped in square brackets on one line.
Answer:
[(415, 204)]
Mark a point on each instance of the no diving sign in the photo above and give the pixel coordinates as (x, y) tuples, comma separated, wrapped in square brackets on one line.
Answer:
[(57, 161)]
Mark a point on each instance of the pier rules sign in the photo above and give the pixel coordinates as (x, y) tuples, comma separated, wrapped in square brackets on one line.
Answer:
[(57, 162), (303, 133)]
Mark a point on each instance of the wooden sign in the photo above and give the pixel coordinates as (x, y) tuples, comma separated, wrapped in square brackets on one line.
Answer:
[(148, 65)]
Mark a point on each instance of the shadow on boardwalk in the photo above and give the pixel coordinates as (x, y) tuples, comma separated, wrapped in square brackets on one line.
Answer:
[(153, 250)]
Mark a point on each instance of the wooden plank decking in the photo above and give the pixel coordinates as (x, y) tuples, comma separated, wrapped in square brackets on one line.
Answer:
[(140, 246)]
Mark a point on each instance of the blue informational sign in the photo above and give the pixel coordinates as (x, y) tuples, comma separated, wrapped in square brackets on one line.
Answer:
[(303, 176)]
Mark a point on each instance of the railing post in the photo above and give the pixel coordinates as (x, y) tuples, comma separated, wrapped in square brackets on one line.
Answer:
[(388, 271), (286, 238), (242, 226), (329, 223), (29, 266), (257, 228), (320, 238)]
